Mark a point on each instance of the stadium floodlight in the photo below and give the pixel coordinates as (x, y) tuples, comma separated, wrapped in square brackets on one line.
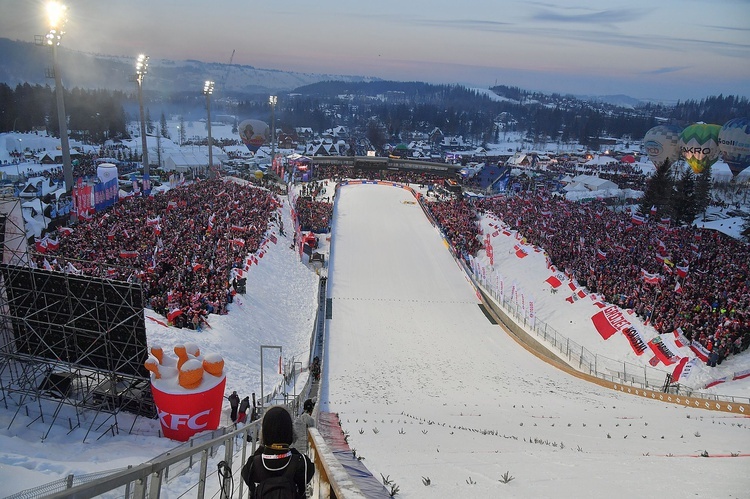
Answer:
[(208, 89), (141, 68), (273, 100), (56, 15)]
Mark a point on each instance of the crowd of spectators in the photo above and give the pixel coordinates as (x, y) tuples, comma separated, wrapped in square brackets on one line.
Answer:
[(314, 213), (625, 175), (182, 245), (84, 166), (313, 216), (338, 173), (459, 222), (685, 279), (611, 253)]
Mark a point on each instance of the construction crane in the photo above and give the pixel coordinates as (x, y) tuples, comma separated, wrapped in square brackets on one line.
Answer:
[(229, 67), (220, 89), (223, 82)]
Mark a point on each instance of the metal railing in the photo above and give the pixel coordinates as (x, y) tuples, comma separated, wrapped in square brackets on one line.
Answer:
[(148, 479), (576, 355), (589, 362)]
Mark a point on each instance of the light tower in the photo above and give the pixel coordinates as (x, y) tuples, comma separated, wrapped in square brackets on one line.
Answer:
[(208, 89), (56, 17), (273, 100), (141, 68)]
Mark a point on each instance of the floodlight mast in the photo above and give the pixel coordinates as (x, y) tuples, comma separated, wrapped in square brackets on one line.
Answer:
[(208, 89), (56, 15), (273, 100), (141, 68)]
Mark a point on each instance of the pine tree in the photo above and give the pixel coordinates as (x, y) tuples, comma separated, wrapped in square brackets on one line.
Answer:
[(703, 191), (149, 123), (684, 209), (163, 127), (658, 190), (183, 132)]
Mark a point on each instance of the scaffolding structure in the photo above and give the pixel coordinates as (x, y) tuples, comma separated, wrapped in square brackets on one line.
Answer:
[(72, 347)]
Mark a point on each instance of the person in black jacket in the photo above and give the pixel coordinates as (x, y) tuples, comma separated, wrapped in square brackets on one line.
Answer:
[(242, 413), (275, 463), (234, 402)]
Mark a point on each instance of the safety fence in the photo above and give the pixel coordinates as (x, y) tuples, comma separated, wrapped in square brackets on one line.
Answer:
[(584, 360), (577, 356)]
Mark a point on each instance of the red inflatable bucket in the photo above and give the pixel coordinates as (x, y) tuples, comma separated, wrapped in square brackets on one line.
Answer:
[(183, 413)]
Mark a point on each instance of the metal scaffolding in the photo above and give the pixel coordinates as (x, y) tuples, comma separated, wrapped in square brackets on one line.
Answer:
[(69, 344)]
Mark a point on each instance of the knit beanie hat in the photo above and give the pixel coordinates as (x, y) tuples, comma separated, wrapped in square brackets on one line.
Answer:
[(277, 428)]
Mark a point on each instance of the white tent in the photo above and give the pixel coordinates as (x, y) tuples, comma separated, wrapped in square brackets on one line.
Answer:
[(188, 160), (592, 183), (185, 161), (600, 160)]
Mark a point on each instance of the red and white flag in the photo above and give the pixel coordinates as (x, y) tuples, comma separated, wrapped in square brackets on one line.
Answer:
[(174, 313), (649, 278), (682, 271), (609, 320)]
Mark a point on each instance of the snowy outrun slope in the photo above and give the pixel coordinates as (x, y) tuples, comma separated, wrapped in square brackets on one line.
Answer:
[(430, 391)]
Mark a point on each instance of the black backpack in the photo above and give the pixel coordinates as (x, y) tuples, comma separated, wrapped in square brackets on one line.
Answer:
[(278, 487)]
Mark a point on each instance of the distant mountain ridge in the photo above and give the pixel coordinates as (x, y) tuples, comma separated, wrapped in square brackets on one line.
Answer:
[(24, 62)]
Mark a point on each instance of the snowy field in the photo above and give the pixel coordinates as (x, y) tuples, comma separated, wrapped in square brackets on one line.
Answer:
[(433, 396), (430, 392)]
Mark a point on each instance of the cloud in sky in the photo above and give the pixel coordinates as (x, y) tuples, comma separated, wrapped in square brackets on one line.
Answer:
[(628, 42), (611, 16), (666, 70), (470, 24)]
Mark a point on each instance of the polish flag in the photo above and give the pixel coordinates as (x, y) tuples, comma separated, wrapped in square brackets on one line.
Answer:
[(649, 278), (174, 313), (682, 271)]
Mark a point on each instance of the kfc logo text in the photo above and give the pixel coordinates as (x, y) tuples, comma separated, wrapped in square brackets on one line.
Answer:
[(194, 422)]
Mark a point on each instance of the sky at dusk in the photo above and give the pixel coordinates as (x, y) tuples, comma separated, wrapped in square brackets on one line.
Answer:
[(672, 49)]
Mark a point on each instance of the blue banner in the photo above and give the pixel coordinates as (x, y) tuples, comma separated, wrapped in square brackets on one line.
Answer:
[(105, 194)]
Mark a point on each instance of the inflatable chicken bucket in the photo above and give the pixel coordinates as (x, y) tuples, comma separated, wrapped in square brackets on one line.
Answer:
[(188, 390)]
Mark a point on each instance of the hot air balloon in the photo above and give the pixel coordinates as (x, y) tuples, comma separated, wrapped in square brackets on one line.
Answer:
[(734, 144), (662, 142), (254, 133), (699, 145)]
